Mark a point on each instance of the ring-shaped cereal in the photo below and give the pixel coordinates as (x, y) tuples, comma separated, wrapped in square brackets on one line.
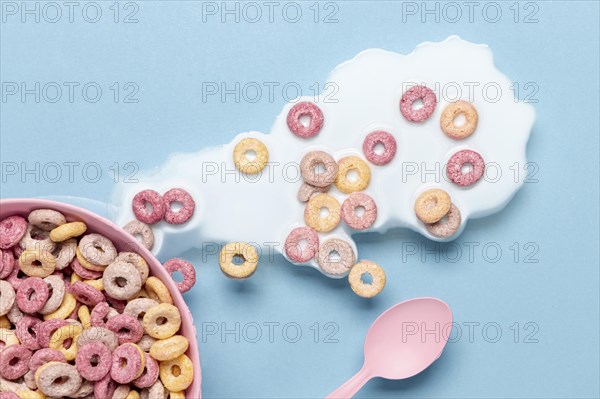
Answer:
[(141, 230), (46, 329), (100, 314), (37, 262), (384, 139), (138, 307), (307, 109), (156, 391), (43, 356), (146, 342), (352, 164), (46, 219), (447, 120), (446, 226), (293, 248), (93, 361), (57, 379), (121, 280), (57, 286), (162, 321), (14, 362), (238, 250), (245, 164), (7, 263), (128, 362), (182, 215), (7, 297), (149, 374), (156, 202), (456, 163), (186, 269), (12, 229), (425, 95), (126, 327), (65, 253), (36, 238), (432, 205), (86, 294), (318, 168), (170, 348), (137, 261), (335, 265), (65, 309), (177, 395), (177, 374), (67, 230), (88, 265), (97, 249), (157, 290), (27, 330), (32, 294), (361, 288), (312, 213), (61, 335), (350, 213), (84, 272), (98, 334), (306, 191)]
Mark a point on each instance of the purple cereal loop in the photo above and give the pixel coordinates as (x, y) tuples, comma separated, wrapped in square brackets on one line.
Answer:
[(27, 330), (83, 272), (350, 216), (46, 329), (126, 327), (127, 363), (294, 251), (7, 263), (14, 362), (448, 225), (389, 147), (104, 388), (299, 110), (32, 294), (99, 313), (149, 375), (138, 229), (141, 212), (458, 161), (44, 356), (12, 229), (419, 92), (185, 213), (90, 369), (187, 271), (86, 294)]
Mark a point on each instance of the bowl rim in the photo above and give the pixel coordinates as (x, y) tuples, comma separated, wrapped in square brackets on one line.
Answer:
[(22, 206)]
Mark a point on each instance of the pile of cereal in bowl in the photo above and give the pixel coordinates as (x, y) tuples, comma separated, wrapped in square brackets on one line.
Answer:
[(80, 319)]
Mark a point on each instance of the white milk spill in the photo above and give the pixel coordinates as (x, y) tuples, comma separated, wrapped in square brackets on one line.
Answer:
[(263, 208)]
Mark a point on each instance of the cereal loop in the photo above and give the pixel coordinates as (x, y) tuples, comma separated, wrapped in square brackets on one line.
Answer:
[(86, 264), (176, 375), (306, 109), (12, 229), (351, 207), (121, 280), (238, 251), (344, 182), (128, 362), (318, 168), (14, 362), (459, 161), (157, 290), (149, 375), (86, 294), (432, 205), (170, 348), (67, 231), (154, 200), (57, 294), (64, 340), (250, 164), (37, 262), (362, 288), (335, 257), (27, 330), (7, 263), (425, 95), (46, 219), (306, 191), (32, 294), (446, 226), (97, 249), (65, 309), (187, 271), (162, 321), (141, 231), (448, 120), (294, 248), (313, 213), (383, 139), (93, 361), (126, 327), (58, 379)]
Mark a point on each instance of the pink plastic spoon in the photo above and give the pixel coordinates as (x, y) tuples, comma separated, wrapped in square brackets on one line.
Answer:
[(402, 342)]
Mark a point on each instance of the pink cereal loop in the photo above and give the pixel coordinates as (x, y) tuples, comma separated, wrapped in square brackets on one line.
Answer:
[(93, 371), (153, 198), (185, 213), (83, 272), (48, 328), (186, 269), (293, 248), (27, 331), (149, 375), (454, 167), (86, 294), (419, 92), (389, 147), (99, 314), (44, 356), (7, 263), (309, 109), (14, 362), (126, 327), (127, 363), (12, 229), (349, 211), (32, 294), (105, 387)]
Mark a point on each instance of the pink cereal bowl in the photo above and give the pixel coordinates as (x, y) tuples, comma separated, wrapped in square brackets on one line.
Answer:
[(123, 241)]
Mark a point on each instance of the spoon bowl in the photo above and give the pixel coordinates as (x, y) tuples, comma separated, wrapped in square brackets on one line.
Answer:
[(403, 341)]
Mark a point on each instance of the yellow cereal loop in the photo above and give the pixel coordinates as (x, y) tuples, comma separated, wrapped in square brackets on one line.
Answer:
[(57, 340), (157, 290), (162, 321), (8, 337), (344, 182), (29, 394), (37, 262), (84, 316), (432, 205), (241, 250), (97, 284), (315, 219), (67, 230), (177, 374), (66, 308), (133, 395), (4, 322), (88, 265), (177, 395), (170, 348), (247, 164)]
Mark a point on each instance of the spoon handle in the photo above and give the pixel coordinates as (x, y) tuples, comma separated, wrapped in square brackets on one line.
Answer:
[(352, 386)]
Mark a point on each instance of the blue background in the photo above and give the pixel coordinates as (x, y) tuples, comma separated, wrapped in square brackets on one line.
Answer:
[(170, 51)]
